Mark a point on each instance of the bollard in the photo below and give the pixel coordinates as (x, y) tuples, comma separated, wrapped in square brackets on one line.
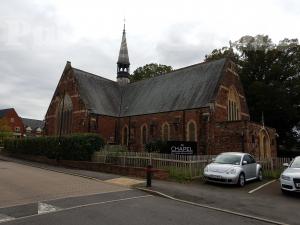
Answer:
[(149, 175)]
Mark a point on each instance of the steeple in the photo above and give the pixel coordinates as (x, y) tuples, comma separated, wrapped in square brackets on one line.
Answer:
[(123, 63)]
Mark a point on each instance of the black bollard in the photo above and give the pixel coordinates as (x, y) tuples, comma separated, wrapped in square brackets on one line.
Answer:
[(149, 175)]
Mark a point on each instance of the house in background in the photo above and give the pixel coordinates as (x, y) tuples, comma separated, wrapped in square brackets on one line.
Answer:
[(33, 128), (13, 121), (21, 127)]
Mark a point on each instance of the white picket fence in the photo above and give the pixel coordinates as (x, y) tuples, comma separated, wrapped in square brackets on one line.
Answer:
[(180, 165)]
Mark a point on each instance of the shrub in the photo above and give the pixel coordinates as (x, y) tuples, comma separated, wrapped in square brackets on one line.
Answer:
[(73, 147)]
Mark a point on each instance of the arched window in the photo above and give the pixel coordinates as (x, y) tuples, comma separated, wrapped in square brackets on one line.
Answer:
[(125, 135), (264, 144), (233, 106), (64, 116), (165, 132), (144, 134), (191, 131)]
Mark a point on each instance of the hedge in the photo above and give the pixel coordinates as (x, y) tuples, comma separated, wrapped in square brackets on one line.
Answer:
[(78, 147)]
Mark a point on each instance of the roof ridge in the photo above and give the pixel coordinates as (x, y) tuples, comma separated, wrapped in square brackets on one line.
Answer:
[(6, 109), (182, 68), (95, 75)]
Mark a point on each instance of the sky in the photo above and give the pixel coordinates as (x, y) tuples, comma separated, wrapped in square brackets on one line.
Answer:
[(38, 37)]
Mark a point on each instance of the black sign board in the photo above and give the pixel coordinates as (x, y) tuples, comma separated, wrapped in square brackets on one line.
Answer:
[(182, 147)]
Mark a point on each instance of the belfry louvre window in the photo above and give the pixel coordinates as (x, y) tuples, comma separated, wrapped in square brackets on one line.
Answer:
[(64, 116), (233, 107)]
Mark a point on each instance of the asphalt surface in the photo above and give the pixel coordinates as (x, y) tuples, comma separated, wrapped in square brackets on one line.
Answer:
[(130, 207), (21, 184), (267, 202), (122, 205)]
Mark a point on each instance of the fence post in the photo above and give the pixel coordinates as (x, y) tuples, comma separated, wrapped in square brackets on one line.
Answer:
[(190, 165), (124, 160), (150, 157)]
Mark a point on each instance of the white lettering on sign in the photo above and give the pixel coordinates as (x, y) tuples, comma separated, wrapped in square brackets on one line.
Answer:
[(181, 149)]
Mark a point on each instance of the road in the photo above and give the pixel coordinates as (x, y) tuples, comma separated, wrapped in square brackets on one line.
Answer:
[(30, 195)]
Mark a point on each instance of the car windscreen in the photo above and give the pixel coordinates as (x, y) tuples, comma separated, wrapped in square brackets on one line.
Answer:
[(228, 159), (296, 163)]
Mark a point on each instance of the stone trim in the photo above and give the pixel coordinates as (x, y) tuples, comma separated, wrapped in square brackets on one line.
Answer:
[(233, 72), (79, 111), (225, 88), (244, 114), (221, 106)]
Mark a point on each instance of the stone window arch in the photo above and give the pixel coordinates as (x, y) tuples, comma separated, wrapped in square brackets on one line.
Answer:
[(191, 131), (165, 131), (125, 135), (64, 115), (264, 144), (144, 134), (233, 105)]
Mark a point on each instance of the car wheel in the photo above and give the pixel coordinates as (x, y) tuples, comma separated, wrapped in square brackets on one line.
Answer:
[(260, 175), (241, 181)]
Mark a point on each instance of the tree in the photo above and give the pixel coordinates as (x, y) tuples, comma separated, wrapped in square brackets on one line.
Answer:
[(149, 71), (270, 74)]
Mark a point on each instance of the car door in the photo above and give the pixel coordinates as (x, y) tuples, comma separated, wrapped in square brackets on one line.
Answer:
[(253, 166), (250, 167)]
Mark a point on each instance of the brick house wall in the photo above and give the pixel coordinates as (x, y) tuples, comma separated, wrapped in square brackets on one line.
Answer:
[(15, 123)]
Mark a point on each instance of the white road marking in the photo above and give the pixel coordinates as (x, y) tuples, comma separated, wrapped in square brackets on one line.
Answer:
[(46, 208), (5, 218), (261, 186), (213, 208), (81, 206)]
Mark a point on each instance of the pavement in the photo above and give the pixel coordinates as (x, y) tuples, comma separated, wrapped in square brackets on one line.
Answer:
[(197, 202)]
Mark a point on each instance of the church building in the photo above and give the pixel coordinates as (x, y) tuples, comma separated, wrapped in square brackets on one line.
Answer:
[(204, 103)]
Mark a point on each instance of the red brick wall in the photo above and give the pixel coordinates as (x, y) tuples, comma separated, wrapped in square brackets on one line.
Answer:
[(230, 78), (242, 136), (80, 119), (178, 127)]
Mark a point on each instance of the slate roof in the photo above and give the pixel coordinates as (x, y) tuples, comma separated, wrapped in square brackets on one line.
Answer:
[(100, 95), (4, 111), (185, 88), (33, 124)]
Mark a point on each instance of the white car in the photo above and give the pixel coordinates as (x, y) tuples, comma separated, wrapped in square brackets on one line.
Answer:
[(233, 168), (290, 178)]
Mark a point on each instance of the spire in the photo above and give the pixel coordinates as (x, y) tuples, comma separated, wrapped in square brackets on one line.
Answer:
[(123, 60)]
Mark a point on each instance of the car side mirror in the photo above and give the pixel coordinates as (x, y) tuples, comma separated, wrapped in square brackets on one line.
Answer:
[(213, 159), (245, 162), (285, 165)]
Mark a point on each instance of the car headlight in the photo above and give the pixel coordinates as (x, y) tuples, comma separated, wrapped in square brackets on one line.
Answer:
[(206, 169), (231, 171), (284, 177)]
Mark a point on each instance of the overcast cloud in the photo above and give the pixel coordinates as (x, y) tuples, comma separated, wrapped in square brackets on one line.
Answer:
[(38, 37)]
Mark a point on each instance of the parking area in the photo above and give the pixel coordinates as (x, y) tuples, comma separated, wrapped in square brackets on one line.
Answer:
[(266, 202)]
